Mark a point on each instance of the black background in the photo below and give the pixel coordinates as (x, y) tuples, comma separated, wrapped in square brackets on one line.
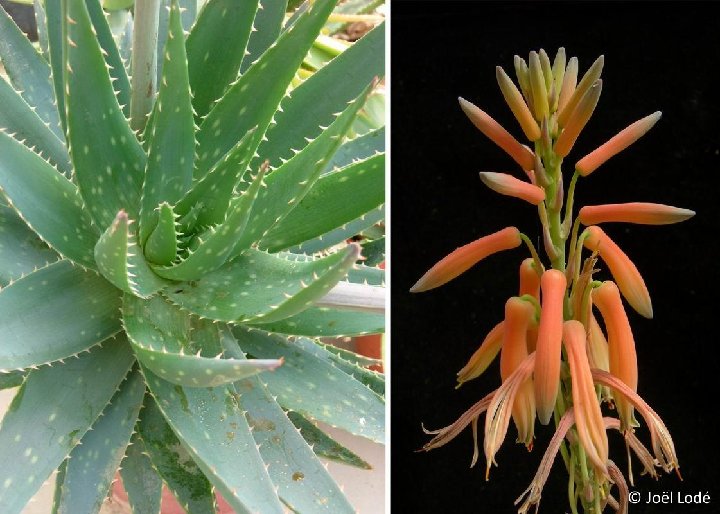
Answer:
[(658, 56)]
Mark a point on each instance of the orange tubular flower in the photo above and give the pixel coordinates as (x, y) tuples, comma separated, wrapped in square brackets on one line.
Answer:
[(508, 185), (592, 74), (483, 356), (529, 279), (465, 257), (549, 342), (517, 105), (498, 135), (588, 418), (621, 345), (635, 212), (577, 120), (626, 275), (518, 316), (616, 144)]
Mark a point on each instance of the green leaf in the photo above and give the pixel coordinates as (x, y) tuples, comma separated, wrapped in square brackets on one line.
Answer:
[(361, 274), (326, 92), (315, 387), (211, 426), (41, 24), (171, 151), (326, 205), (21, 252), (357, 149), (239, 111), (12, 379), (31, 309), (338, 235), (29, 73), (92, 464), (59, 480), (216, 46), (169, 353), (353, 7), (18, 119), (122, 262), (323, 445), (47, 201), (288, 184), (173, 462), (373, 251), (53, 19), (303, 482), (51, 413), (140, 479), (118, 74), (261, 287), (355, 358), (326, 322), (162, 245), (188, 12), (215, 247), (210, 196), (268, 22), (109, 162)]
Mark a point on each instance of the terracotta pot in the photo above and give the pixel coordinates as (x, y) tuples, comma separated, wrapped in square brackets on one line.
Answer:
[(169, 504)]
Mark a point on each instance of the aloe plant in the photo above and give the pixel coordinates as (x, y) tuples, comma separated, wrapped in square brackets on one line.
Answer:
[(169, 260)]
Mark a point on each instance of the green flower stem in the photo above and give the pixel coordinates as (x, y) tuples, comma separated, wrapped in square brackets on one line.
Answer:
[(144, 61), (569, 205), (533, 252)]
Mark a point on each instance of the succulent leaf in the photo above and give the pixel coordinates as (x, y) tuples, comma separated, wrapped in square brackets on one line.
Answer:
[(268, 25), (41, 23), (188, 14), (289, 183), (122, 262), (92, 464), (29, 73), (220, 24), (18, 119), (140, 479), (170, 355), (51, 413), (268, 78), (108, 160), (259, 287), (21, 252), (326, 92), (210, 196), (325, 206), (373, 251), (303, 482), (173, 462), (116, 67), (216, 246), (12, 379), (326, 322), (340, 234), (211, 426), (350, 356), (315, 387), (356, 149), (323, 445), (31, 307), (361, 274), (171, 132), (47, 201), (162, 244), (53, 19)]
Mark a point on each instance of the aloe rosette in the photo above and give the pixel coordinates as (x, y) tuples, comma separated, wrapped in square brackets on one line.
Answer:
[(169, 259)]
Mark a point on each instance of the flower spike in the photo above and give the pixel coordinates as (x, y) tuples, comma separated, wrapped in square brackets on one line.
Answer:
[(498, 135), (635, 212), (626, 275), (616, 144), (621, 345), (549, 341), (465, 257), (508, 185), (517, 105)]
